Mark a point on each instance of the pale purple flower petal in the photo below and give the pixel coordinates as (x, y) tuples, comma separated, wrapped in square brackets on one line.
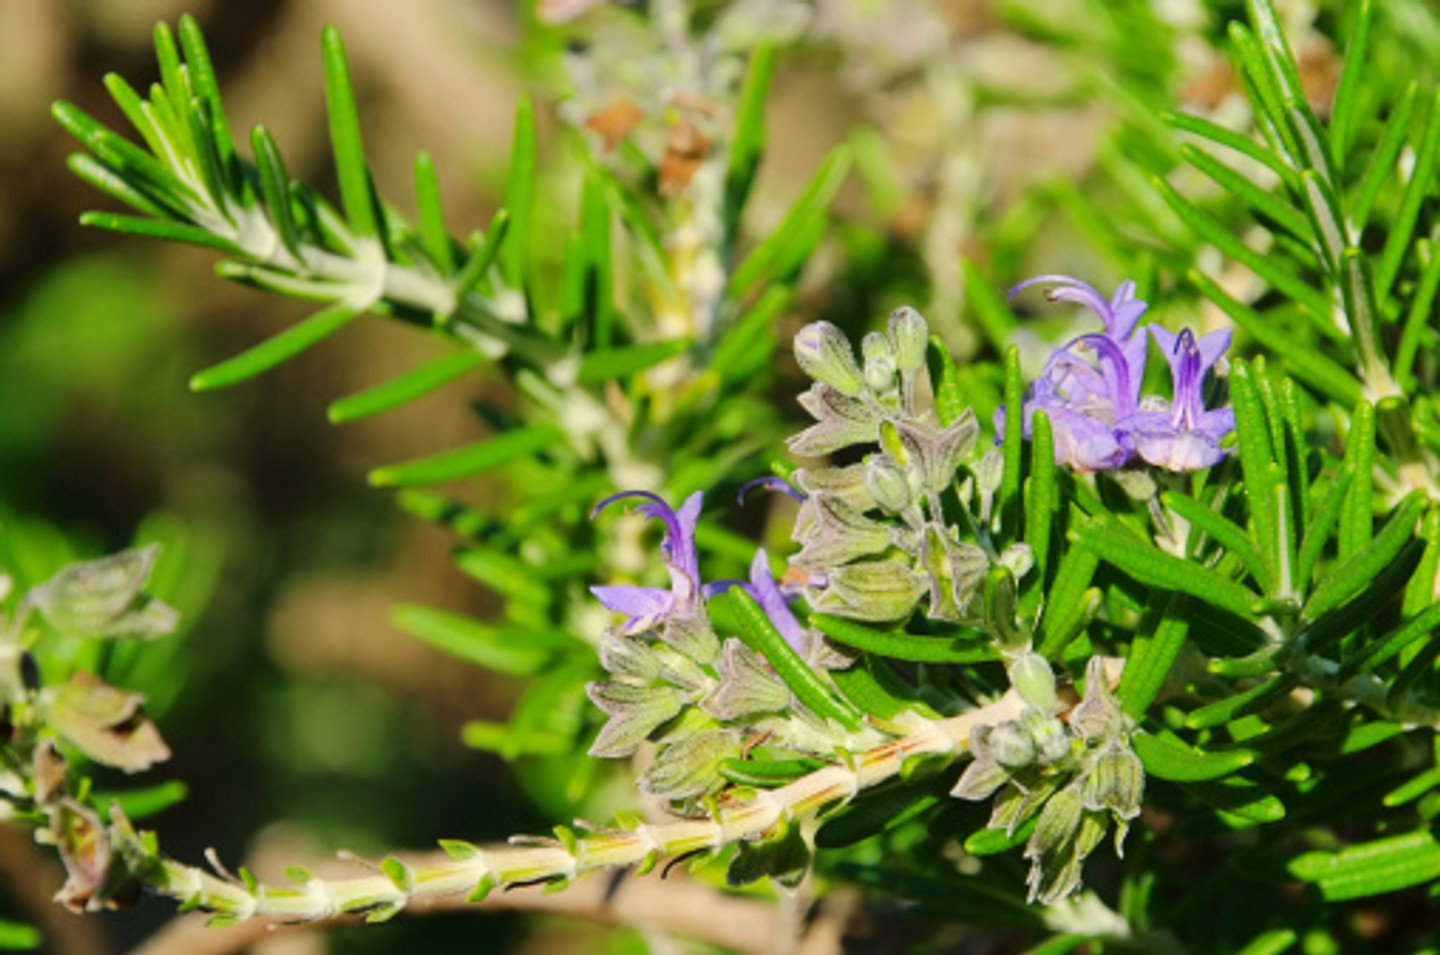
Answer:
[(767, 594), (643, 607)]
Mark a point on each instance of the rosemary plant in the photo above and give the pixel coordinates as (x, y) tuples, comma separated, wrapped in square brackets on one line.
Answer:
[(1174, 583)]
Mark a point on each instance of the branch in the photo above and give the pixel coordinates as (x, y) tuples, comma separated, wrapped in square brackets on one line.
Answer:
[(472, 872), (677, 905)]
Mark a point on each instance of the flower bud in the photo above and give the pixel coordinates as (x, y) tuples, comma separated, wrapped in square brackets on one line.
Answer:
[(1052, 743), (1033, 679), (1099, 715), (879, 362), (1115, 782), (908, 335), (887, 484), (1012, 746), (875, 590), (824, 354)]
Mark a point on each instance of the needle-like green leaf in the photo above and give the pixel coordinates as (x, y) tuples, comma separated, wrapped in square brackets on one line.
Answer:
[(276, 349), (470, 460), (760, 635), (406, 388), (350, 168)]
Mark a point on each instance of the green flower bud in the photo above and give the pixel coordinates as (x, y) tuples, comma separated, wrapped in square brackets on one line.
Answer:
[(1052, 743), (824, 354), (691, 766), (887, 484), (909, 335), (1033, 679), (874, 590), (747, 686), (635, 712), (1116, 781), (1012, 746), (879, 362), (1098, 717)]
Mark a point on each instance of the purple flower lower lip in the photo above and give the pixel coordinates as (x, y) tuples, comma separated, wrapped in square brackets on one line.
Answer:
[(1185, 437)]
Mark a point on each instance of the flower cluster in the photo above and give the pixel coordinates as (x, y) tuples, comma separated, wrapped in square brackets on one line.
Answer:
[(1090, 389), (874, 537), (1072, 778), (673, 680)]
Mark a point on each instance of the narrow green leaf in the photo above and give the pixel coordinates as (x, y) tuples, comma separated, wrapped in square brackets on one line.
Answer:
[(1382, 163), (760, 635), (1413, 788), (1236, 142), (1329, 234), (174, 87), (483, 250), (1267, 94), (598, 299), (470, 640), (1042, 492), (139, 804), (1223, 531), (1371, 868), (875, 813), (874, 689), (201, 74), (406, 388), (275, 190), (1166, 756), (791, 243), (1342, 112), (1398, 240), (1357, 571), (1318, 530), (747, 145), (1065, 604), (1155, 568), (1274, 942), (767, 773), (141, 170), (1252, 432), (950, 400), (618, 364), (271, 352), (520, 195), (1242, 703), (95, 173), (1357, 516), (350, 169), (1417, 321), (471, 460), (988, 306), (1303, 360), (1423, 589), (1274, 274), (1358, 295), (1152, 655), (992, 842), (1264, 203), (158, 229), (433, 234), (1011, 443), (133, 107), (748, 344), (899, 645)]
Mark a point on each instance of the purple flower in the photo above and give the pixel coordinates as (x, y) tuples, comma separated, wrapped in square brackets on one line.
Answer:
[(1182, 435), (644, 607), (1091, 385)]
